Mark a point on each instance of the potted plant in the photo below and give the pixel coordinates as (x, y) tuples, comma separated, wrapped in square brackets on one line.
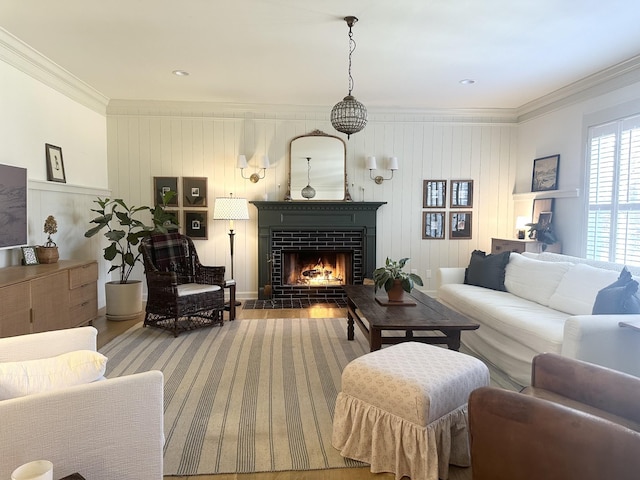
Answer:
[(543, 233), (48, 253), (394, 280), (124, 232)]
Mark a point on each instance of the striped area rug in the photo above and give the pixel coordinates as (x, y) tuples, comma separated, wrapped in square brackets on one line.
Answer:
[(251, 396)]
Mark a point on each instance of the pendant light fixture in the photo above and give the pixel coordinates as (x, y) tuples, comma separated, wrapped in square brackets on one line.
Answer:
[(308, 192), (349, 116)]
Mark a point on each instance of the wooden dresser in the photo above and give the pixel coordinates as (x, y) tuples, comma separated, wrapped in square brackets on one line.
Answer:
[(37, 298), (499, 245)]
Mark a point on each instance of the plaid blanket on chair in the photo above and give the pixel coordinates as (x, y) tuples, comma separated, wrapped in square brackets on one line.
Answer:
[(170, 252)]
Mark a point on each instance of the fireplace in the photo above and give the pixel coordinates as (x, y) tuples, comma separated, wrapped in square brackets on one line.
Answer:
[(310, 249)]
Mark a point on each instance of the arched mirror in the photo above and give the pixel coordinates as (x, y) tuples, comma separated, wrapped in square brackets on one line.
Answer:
[(317, 160)]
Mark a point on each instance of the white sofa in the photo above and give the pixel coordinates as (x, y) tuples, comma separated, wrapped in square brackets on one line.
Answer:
[(104, 430), (546, 308)]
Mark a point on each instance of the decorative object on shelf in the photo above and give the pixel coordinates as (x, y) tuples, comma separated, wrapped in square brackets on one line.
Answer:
[(433, 225), (545, 173), (231, 208), (542, 230), (254, 177), (29, 256), (48, 253), (195, 224), (394, 280), (55, 165), (434, 193), (460, 225), (392, 164), (521, 226), (349, 116), (541, 205), (308, 192), (124, 232), (194, 191), (164, 185), (461, 193)]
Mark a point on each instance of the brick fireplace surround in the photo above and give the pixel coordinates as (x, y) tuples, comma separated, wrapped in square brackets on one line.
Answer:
[(317, 226)]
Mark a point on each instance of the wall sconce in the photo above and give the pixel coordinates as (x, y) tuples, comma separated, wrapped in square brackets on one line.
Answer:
[(392, 164), (254, 177)]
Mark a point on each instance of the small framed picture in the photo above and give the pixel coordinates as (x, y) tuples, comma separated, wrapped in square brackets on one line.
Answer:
[(163, 185), (545, 173), (55, 165), (460, 223), (434, 193), (195, 191), (541, 205), (29, 256), (195, 224), (433, 225), (544, 220), (461, 193)]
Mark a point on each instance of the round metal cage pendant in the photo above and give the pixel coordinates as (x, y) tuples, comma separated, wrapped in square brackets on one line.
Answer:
[(349, 116)]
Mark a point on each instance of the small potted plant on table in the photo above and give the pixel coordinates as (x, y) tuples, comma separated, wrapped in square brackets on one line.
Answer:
[(48, 253), (394, 280)]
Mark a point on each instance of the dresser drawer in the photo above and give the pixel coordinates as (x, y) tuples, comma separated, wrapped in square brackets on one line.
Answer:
[(83, 313), (82, 294), (82, 275)]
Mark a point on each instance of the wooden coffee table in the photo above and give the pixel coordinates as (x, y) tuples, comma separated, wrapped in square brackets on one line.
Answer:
[(427, 315)]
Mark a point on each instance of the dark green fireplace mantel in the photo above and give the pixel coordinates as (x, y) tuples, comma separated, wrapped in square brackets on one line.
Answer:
[(311, 215)]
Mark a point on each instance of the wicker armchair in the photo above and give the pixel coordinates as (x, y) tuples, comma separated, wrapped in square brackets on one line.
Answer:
[(182, 293)]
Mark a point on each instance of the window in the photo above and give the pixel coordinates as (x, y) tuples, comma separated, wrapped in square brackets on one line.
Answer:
[(613, 225)]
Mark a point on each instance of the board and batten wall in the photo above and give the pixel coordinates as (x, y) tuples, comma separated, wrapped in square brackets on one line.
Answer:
[(147, 139)]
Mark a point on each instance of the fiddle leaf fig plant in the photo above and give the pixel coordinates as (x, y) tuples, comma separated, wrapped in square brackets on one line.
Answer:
[(393, 270), (124, 231)]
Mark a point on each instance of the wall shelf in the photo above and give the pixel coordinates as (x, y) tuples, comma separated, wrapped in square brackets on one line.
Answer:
[(568, 193)]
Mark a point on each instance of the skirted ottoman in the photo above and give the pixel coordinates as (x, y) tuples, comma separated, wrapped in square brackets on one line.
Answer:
[(403, 409)]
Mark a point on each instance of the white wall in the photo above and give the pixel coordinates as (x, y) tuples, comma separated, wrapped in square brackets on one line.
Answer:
[(158, 139), (563, 130), (32, 114)]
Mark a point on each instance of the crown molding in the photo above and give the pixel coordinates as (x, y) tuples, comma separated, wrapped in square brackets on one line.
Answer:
[(617, 76), (18, 54)]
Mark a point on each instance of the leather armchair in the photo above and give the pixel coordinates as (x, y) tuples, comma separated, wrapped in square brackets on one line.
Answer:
[(576, 421)]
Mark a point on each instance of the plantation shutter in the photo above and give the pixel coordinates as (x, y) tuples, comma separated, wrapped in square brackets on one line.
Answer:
[(613, 225)]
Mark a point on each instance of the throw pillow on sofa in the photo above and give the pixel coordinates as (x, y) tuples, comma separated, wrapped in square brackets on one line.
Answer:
[(18, 379), (487, 270), (621, 297)]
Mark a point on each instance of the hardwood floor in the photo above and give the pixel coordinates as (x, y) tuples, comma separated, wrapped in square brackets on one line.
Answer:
[(108, 330)]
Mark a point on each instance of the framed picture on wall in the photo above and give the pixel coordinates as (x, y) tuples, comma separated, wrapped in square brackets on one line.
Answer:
[(174, 219), (461, 193), (433, 225), (162, 185), (545, 173), (55, 165), (434, 193), (195, 224), (194, 192), (460, 225)]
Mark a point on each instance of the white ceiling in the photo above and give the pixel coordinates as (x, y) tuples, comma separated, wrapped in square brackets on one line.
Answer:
[(410, 53)]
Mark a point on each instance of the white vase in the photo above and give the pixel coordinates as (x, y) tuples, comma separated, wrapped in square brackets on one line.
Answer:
[(124, 300)]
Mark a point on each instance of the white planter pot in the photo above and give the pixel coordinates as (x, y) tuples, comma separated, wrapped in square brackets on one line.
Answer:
[(124, 300)]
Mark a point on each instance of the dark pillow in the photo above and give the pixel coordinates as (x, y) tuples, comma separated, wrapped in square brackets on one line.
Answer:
[(621, 297), (487, 270)]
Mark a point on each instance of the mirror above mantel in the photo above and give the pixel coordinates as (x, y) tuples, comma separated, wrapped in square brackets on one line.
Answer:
[(317, 160)]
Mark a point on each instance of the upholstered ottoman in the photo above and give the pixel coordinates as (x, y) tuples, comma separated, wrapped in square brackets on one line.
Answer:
[(403, 409)]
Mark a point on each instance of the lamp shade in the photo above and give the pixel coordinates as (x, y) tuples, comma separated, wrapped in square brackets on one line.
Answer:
[(264, 161), (242, 161), (393, 163), (371, 163), (231, 208), (521, 222)]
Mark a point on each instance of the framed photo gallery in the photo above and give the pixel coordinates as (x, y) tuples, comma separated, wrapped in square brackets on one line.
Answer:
[(456, 221), (188, 206)]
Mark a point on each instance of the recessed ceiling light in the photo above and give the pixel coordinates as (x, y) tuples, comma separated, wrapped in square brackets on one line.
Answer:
[(467, 81), (180, 73)]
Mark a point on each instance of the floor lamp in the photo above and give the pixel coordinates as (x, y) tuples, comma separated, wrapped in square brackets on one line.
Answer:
[(231, 208)]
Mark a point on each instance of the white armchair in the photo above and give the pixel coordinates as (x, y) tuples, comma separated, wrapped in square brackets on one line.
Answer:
[(103, 430)]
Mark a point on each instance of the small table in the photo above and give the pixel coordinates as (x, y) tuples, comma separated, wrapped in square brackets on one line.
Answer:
[(427, 315), (231, 306)]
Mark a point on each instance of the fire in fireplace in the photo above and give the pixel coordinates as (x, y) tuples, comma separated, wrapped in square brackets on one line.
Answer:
[(317, 268)]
